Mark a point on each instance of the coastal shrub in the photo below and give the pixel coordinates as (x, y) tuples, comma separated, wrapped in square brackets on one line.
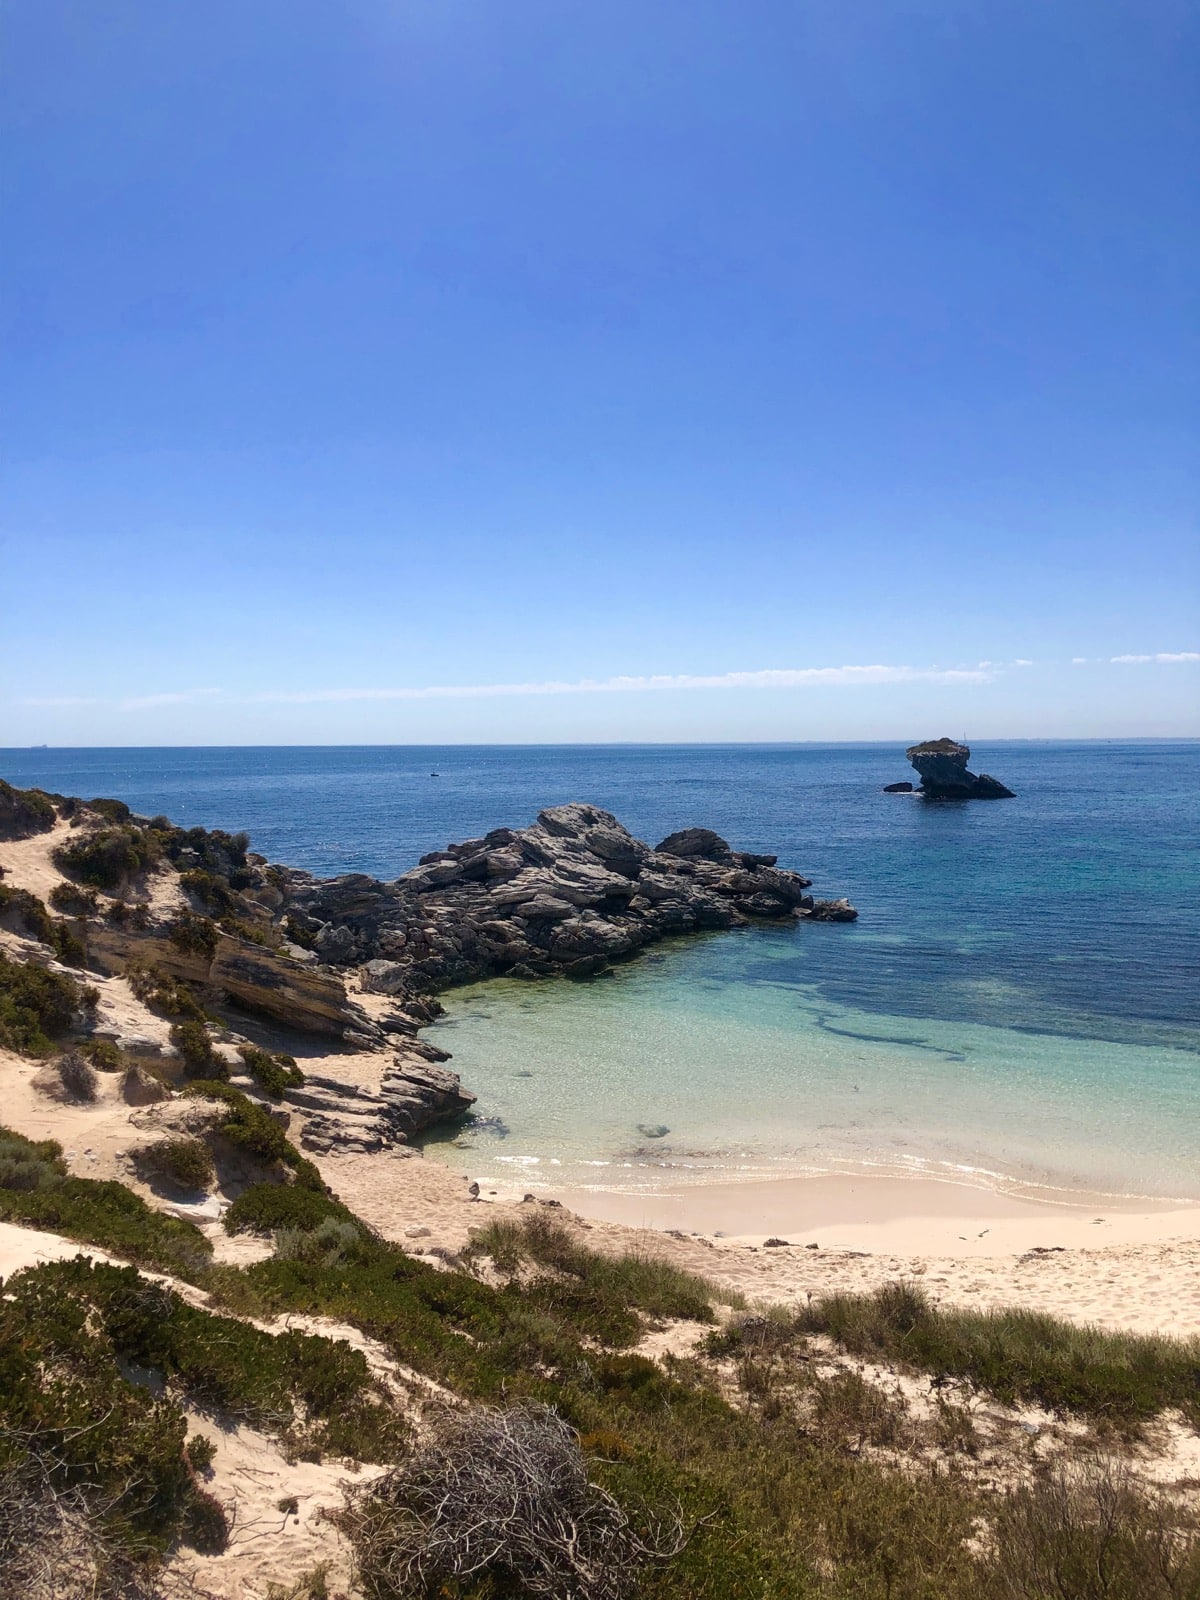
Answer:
[(255, 1130), (36, 1006), (25, 913), (299, 932), (73, 901), (108, 857), (24, 812), (28, 1164), (42, 1194), (211, 889), (194, 935), (503, 1495), (1016, 1355), (330, 1244), (191, 1039), (186, 1163), (271, 1208), (274, 1074), (135, 916), (78, 1077), (103, 1054), (642, 1282), (70, 1419), (1083, 1529), (112, 810)]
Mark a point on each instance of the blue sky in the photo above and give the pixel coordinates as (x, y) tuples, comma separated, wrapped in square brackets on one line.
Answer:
[(387, 371)]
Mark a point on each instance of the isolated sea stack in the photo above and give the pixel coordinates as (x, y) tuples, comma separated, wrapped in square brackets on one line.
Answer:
[(942, 764)]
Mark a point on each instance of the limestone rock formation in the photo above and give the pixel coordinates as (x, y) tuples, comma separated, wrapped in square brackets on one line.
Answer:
[(942, 764), (570, 894)]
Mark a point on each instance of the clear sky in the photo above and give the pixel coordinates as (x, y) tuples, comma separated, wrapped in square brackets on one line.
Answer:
[(388, 370)]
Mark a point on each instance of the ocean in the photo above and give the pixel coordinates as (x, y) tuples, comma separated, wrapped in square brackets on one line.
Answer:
[(1017, 1005)]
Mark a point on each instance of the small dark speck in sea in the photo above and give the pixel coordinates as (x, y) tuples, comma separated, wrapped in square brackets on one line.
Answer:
[(522, 1074), (653, 1130)]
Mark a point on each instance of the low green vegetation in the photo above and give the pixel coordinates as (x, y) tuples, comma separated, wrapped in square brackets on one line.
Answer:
[(25, 812), (1017, 1356), (274, 1074), (200, 1060), (38, 1007), (253, 1129), (630, 1282), (268, 1208), (74, 901), (26, 914), (108, 857), (194, 935), (78, 1426), (36, 1189), (183, 1163)]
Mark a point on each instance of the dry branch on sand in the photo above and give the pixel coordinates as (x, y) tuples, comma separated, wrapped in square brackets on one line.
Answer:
[(506, 1494)]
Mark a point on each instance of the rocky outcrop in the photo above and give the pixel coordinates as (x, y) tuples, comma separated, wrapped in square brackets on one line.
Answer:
[(301, 994), (413, 1095), (942, 764), (571, 894)]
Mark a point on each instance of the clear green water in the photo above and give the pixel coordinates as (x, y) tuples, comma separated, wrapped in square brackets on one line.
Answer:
[(761, 1076)]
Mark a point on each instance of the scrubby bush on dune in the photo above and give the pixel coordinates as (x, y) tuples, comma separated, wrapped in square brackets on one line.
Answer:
[(274, 1074), (24, 812), (628, 1282), (108, 857), (271, 1208), (194, 935), (73, 901), (191, 1039), (24, 913), (36, 1188), (255, 1130), (185, 1163), (78, 1077), (87, 1453), (330, 1244), (122, 915), (103, 1054), (36, 1006), (1018, 1356)]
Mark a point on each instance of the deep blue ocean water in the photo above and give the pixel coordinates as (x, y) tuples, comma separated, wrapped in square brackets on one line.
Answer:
[(1020, 993)]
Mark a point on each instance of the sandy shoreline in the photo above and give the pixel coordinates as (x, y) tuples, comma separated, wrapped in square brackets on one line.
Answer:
[(917, 1216)]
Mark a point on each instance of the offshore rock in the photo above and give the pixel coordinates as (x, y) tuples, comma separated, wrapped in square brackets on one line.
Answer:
[(569, 895), (942, 764)]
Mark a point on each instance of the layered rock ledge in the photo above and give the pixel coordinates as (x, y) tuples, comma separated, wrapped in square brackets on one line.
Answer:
[(569, 895)]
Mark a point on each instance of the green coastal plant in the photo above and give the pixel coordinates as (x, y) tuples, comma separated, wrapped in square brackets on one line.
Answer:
[(190, 1038), (24, 812), (40, 1192), (186, 1163), (74, 901), (274, 1074), (194, 935), (37, 1007), (107, 857)]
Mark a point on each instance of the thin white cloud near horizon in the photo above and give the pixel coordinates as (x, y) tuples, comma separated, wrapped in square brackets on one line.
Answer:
[(1167, 657), (876, 674)]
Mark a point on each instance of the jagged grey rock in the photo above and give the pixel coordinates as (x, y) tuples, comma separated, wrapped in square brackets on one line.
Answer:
[(942, 764)]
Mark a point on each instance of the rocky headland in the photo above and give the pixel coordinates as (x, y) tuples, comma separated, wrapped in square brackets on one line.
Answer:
[(942, 765), (354, 960)]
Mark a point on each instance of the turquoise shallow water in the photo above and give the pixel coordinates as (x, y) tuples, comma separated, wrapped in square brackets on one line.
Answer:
[(755, 1072), (1020, 996)]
